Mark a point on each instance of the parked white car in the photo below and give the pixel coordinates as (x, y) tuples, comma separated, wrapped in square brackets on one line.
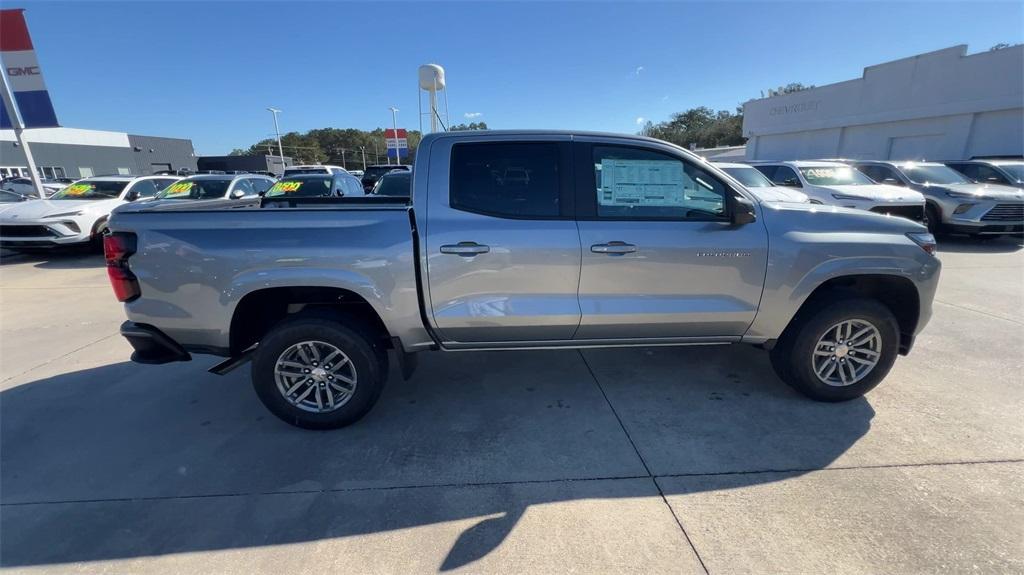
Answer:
[(25, 186), (312, 169), (761, 186), (77, 214), (217, 186), (838, 184)]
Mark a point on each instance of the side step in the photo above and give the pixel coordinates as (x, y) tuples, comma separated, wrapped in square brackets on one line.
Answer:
[(232, 362)]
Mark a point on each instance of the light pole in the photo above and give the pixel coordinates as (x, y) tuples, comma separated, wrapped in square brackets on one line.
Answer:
[(376, 152), (277, 130), (394, 124), (363, 150)]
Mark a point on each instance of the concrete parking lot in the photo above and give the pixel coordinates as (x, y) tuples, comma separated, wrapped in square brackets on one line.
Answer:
[(625, 460)]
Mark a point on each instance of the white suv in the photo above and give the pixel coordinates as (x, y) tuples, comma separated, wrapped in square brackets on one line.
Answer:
[(838, 184), (312, 169), (75, 215)]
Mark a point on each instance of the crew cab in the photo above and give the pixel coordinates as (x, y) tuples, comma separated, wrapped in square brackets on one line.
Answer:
[(599, 240), (76, 215), (837, 184)]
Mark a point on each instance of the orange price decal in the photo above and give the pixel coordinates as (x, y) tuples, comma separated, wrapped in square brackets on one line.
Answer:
[(178, 189), (77, 189)]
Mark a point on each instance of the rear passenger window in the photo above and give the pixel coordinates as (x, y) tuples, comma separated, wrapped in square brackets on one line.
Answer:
[(644, 184), (506, 180)]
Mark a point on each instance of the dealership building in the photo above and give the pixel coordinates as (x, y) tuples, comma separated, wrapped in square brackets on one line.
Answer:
[(75, 153), (941, 105)]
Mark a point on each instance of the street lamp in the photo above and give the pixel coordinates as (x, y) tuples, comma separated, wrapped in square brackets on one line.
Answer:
[(394, 124), (363, 150), (277, 130)]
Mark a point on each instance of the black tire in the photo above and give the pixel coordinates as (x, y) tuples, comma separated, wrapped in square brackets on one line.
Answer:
[(934, 217), (792, 356), (369, 362)]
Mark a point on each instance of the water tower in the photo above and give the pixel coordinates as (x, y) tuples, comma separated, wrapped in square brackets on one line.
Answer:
[(432, 82)]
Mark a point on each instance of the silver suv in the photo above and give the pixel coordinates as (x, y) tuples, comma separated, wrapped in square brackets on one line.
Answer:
[(954, 203)]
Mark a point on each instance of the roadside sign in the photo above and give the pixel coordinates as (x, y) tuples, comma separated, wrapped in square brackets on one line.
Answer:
[(397, 143)]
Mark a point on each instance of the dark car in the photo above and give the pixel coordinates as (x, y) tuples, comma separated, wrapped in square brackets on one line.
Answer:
[(1002, 172), (373, 173), (317, 186), (394, 183)]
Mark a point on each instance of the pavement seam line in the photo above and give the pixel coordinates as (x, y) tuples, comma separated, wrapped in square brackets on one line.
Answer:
[(992, 315), (654, 480), (48, 362), (498, 483)]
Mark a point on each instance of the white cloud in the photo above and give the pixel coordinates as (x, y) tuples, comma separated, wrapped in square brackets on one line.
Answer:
[(664, 98), (471, 115), (639, 69), (640, 120)]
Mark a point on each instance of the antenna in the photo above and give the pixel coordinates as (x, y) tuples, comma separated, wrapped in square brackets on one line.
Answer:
[(431, 81)]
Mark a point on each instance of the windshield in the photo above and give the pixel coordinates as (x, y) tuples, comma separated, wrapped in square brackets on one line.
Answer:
[(933, 175), (204, 189), (835, 176), (11, 196), (94, 190), (1016, 171), (300, 171), (394, 185), (749, 177), (308, 187)]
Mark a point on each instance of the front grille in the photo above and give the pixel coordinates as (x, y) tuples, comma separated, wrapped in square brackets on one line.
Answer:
[(9, 231), (915, 213), (1005, 213)]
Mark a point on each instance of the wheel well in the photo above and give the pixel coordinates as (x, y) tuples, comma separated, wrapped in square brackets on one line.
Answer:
[(261, 310), (894, 292)]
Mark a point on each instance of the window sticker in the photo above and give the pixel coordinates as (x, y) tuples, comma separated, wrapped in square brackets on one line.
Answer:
[(178, 189), (285, 187), (642, 183), (78, 189), (826, 172)]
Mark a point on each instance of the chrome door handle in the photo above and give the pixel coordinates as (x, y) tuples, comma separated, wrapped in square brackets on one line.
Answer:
[(465, 249), (613, 248)]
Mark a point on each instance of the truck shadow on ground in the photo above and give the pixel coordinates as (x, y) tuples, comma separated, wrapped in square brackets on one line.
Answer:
[(65, 259), (125, 461), (969, 245)]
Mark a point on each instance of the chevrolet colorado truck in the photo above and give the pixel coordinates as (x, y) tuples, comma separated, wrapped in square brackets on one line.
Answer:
[(518, 240)]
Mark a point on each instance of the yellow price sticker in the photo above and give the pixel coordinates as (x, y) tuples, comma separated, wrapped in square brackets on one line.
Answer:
[(285, 187), (178, 189), (77, 189)]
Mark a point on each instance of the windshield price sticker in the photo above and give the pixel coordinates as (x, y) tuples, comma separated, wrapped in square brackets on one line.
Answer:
[(826, 172), (178, 189), (286, 187), (642, 183), (77, 189)]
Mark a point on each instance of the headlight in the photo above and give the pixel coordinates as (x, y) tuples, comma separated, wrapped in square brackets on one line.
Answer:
[(967, 196), (849, 197), (63, 214), (923, 239)]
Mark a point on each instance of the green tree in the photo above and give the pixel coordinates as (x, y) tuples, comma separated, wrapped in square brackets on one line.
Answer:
[(701, 126), (470, 126), (334, 146)]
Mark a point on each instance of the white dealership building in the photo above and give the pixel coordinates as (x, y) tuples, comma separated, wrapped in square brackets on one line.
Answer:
[(942, 105)]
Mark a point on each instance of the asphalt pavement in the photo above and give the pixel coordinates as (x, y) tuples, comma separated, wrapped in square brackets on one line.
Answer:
[(682, 460)]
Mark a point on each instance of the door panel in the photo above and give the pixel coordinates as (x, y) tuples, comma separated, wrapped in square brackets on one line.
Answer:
[(683, 279), (503, 253), (661, 258)]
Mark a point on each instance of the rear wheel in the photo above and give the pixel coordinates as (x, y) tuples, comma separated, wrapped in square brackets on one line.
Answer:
[(318, 374), (838, 351)]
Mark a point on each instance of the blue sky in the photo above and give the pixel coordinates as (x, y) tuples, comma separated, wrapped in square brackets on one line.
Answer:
[(207, 71)]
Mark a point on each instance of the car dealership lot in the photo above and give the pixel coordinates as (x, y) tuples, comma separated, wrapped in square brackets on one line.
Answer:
[(638, 460)]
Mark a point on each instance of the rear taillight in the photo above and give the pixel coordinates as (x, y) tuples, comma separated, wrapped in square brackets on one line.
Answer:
[(117, 247)]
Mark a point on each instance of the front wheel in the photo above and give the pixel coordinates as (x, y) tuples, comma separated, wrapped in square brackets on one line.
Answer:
[(933, 219), (317, 374), (838, 351)]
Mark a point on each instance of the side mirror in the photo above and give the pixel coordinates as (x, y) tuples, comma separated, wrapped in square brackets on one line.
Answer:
[(263, 193), (237, 195), (743, 211), (892, 181), (132, 196), (792, 183)]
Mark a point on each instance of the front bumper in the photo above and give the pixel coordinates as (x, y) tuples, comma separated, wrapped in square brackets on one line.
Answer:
[(151, 345), (44, 233), (988, 217)]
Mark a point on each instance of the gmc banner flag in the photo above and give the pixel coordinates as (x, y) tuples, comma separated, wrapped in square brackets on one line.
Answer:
[(19, 61)]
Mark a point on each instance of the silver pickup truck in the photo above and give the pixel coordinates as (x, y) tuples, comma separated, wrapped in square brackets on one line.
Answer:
[(518, 240)]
